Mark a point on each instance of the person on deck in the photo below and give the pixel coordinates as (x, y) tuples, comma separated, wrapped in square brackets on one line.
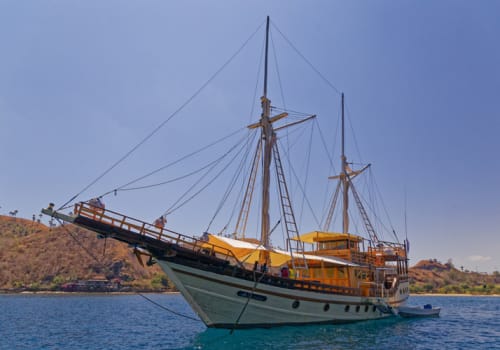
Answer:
[(284, 272), (97, 202), (160, 222)]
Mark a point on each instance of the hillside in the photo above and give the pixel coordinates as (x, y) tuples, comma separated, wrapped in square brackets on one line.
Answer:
[(36, 257), (432, 276)]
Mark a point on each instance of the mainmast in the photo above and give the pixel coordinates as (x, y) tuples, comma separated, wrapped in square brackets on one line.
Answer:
[(268, 146), (268, 139)]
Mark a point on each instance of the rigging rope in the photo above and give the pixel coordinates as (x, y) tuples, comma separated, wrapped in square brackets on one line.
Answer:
[(174, 179), (103, 267), (173, 207), (307, 61), (291, 112), (353, 134), (308, 161), (304, 193), (250, 119), (278, 72), (230, 187), (79, 243), (326, 147), (193, 96), (383, 206), (199, 150)]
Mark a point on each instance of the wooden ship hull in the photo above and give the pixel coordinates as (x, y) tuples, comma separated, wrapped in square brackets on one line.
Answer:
[(223, 301), (228, 293)]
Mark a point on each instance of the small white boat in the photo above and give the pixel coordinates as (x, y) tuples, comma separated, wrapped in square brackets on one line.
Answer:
[(417, 311)]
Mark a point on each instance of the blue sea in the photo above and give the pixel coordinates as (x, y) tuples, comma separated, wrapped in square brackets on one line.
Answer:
[(132, 322)]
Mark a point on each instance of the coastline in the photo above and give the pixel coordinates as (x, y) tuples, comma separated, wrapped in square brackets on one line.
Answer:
[(452, 295), (10, 292), (43, 292)]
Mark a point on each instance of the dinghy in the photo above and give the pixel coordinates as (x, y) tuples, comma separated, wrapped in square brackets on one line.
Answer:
[(417, 311)]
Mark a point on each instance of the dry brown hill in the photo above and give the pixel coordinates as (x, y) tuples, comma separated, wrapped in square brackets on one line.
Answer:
[(432, 276), (34, 256)]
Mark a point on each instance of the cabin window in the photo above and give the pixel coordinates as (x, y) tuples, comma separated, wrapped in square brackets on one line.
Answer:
[(316, 273), (329, 273), (360, 274), (347, 307), (374, 308), (333, 245), (326, 307), (357, 308), (340, 273), (296, 304), (366, 308)]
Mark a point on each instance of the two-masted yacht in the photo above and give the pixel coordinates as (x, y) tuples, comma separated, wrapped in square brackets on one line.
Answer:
[(320, 277)]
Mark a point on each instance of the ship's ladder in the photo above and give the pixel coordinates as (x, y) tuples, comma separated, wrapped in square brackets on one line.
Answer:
[(296, 245), (364, 215)]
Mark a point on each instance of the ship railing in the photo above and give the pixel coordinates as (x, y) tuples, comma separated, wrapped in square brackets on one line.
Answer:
[(389, 251), (157, 232), (292, 283), (378, 290), (317, 286)]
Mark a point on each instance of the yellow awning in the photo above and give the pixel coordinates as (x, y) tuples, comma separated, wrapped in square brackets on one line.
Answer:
[(246, 251), (249, 252), (321, 236)]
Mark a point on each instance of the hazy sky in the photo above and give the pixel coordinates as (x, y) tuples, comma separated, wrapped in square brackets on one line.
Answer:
[(82, 82)]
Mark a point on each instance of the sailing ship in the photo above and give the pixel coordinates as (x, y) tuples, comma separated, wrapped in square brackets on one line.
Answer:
[(321, 277)]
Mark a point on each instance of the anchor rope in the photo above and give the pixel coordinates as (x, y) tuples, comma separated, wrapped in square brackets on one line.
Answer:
[(248, 301), (167, 309)]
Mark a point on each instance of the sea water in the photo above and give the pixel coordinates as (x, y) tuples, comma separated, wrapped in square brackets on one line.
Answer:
[(132, 322)]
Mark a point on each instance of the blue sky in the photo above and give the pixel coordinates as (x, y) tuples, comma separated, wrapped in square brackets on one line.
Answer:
[(82, 82)]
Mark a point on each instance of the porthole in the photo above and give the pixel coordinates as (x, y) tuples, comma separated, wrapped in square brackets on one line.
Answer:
[(357, 308), (295, 304), (346, 309), (326, 307), (366, 308)]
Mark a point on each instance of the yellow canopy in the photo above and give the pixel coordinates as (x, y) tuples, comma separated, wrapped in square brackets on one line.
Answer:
[(320, 236), (249, 252), (246, 251)]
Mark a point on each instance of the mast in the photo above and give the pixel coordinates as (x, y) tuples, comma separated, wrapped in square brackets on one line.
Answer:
[(265, 58), (344, 180), (268, 138)]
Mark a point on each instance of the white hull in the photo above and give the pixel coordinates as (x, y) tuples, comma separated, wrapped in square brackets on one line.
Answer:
[(227, 302)]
